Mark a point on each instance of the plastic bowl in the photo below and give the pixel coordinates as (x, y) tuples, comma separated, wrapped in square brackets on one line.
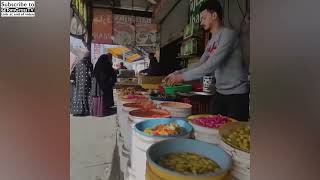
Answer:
[(141, 126), (210, 151)]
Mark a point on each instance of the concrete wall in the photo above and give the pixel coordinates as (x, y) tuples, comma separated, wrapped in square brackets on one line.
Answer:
[(172, 27), (234, 21)]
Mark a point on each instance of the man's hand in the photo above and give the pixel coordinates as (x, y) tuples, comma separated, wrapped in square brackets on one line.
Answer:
[(174, 79), (165, 80), (170, 76)]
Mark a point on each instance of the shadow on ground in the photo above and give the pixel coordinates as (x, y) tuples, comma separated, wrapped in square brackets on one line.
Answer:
[(111, 111), (116, 173)]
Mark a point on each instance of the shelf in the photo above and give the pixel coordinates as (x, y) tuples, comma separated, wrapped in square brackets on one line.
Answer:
[(191, 37), (188, 57), (188, 38)]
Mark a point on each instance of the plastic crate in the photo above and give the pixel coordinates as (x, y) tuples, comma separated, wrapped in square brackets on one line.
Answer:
[(184, 88)]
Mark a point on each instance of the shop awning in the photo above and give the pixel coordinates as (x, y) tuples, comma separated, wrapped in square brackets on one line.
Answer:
[(125, 53)]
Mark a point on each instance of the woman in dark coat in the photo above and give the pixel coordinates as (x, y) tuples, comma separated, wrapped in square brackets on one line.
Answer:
[(81, 80), (154, 66), (104, 77)]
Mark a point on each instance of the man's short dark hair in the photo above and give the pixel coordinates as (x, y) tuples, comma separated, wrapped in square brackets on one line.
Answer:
[(212, 6)]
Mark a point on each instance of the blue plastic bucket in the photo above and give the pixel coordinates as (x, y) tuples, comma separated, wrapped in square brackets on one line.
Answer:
[(210, 151), (142, 141), (141, 126)]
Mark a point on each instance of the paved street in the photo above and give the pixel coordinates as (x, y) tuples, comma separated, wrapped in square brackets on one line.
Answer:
[(92, 143)]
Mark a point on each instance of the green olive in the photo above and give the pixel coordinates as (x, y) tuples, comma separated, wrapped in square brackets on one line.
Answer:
[(188, 163)]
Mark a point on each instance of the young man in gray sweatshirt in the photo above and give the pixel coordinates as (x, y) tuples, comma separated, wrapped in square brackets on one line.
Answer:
[(222, 59)]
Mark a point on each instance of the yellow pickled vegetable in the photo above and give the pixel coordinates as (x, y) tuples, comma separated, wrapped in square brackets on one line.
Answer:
[(188, 163), (240, 138)]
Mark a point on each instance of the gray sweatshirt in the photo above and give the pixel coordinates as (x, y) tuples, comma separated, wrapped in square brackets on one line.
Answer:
[(222, 59)]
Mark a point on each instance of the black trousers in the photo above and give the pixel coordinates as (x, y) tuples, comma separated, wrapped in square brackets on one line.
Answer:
[(234, 106)]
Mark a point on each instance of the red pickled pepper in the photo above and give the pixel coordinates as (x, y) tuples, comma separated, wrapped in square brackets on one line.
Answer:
[(214, 121)]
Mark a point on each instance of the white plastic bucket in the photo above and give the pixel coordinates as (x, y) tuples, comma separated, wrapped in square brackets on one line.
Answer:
[(131, 174), (140, 145), (209, 135), (119, 114), (240, 175), (235, 152), (177, 109), (130, 124), (127, 128), (120, 142), (132, 120), (124, 159), (241, 161), (121, 118)]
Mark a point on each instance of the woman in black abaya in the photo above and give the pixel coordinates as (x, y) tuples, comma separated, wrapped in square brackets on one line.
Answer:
[(104, 77)]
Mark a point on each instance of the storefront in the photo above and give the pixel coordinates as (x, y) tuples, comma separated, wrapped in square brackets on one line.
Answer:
[(155, 118)]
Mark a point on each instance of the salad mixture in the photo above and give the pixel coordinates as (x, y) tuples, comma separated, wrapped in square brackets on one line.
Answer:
[(164, 130)]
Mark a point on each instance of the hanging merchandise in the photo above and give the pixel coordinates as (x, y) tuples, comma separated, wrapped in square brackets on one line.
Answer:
[(76, 27), (80, 8)]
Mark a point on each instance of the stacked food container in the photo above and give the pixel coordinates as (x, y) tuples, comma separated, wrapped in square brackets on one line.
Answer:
[(177, 109), (148, 132), (206, 127), (123, 100), (156, 143), (186, 159), (124, 96), (137, 116), (235, 140)]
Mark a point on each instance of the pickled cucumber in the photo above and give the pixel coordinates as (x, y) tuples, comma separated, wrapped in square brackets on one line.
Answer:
[(240, 138), (188, 163)]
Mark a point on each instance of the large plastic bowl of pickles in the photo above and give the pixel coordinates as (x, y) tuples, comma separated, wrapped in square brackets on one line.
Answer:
[(184, 126), (237, 135), (203, 160)]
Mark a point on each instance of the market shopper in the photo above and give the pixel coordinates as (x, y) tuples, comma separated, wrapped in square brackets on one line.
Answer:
[(154, 65), (222, 59), (81, 81), (103, 80), (122, 66)]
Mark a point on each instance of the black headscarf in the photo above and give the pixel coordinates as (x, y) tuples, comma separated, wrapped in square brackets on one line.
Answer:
[(154, 66), (103, 72)]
